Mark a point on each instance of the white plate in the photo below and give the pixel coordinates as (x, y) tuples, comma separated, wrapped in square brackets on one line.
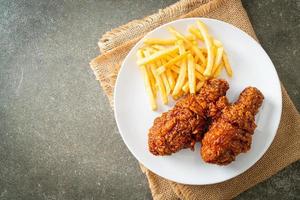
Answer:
[(251, 66)]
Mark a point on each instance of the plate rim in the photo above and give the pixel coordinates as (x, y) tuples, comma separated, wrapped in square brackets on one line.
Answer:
[(233, 27)]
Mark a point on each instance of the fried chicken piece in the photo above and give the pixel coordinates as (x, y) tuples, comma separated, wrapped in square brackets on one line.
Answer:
[(183, 125), (231, 134)]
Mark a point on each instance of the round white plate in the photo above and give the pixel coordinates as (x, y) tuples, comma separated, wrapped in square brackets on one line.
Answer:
[(251, 66)]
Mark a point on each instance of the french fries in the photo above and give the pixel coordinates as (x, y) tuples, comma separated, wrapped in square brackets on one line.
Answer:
[(147, 82), (208, 44), (218, 59), (151, 41), (180, 65), (227, 65), (157, 55), (191, 74), (160, 84)]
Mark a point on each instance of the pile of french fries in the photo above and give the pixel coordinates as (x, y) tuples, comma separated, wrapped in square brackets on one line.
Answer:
[(181, 65)]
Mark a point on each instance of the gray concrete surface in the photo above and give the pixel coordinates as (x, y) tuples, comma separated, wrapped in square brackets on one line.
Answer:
[(58, 137)]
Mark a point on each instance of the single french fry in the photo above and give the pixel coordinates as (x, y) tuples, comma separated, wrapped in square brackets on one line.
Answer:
[(190, 37), (153, 41), (175, 75), (185, 87), (217, 43), (193, 30), (218, 59), (151, 50), (159, 81), (181, 47), (168, 57), (200, 76), (218, 71), (176, 69), (196, 59), (190, 45), (159, 47), (163, 76), (208, 44), (191, 74), (147, 83), (199, 85), (181, 78), (152, 80), (174, 54), (166, 83), (171, 79), (161, 69), (227, 65), (169, 75), (157, 55), (180, 94), (200, 68)]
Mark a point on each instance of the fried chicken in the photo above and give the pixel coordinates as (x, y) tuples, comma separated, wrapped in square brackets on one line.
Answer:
[(183, 125), (231, 133)]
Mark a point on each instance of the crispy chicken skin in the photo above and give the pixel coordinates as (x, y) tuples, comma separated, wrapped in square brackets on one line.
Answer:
[(231, 133), (183, 125)]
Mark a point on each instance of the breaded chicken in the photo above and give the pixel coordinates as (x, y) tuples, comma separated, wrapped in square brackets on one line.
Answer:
[(231, 133), (183, 125)]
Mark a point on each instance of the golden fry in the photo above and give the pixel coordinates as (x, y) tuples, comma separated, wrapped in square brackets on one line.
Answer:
[(181, 78), (171, 79), (196, 59), (180, 94), (217, 43), (159, 47), (176, 69), (157, 55), (208, 44), (152, 80), (185, 86), (159, 81), (200, 68), (153, 41), (200, 76), (227, 65), (169, 75), (199, 85), (218, 59), (166, 83), (181, 47), (218, 71), (163, 76), (168, 57), (160, 69), (147, 83), (196, 32), (191, 74)]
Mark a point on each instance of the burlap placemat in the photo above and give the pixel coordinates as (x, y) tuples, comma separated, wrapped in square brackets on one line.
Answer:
[(285, 148)]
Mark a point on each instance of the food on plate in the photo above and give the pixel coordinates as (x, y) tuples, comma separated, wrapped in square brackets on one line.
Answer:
[(231, 133), (184, 125), (147, 82), (179, 65)]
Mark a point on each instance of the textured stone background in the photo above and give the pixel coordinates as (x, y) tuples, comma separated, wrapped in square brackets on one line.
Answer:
[(58, 137)]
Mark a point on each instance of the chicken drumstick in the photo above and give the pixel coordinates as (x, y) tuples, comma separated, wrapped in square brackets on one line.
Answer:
[(231, 133)]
